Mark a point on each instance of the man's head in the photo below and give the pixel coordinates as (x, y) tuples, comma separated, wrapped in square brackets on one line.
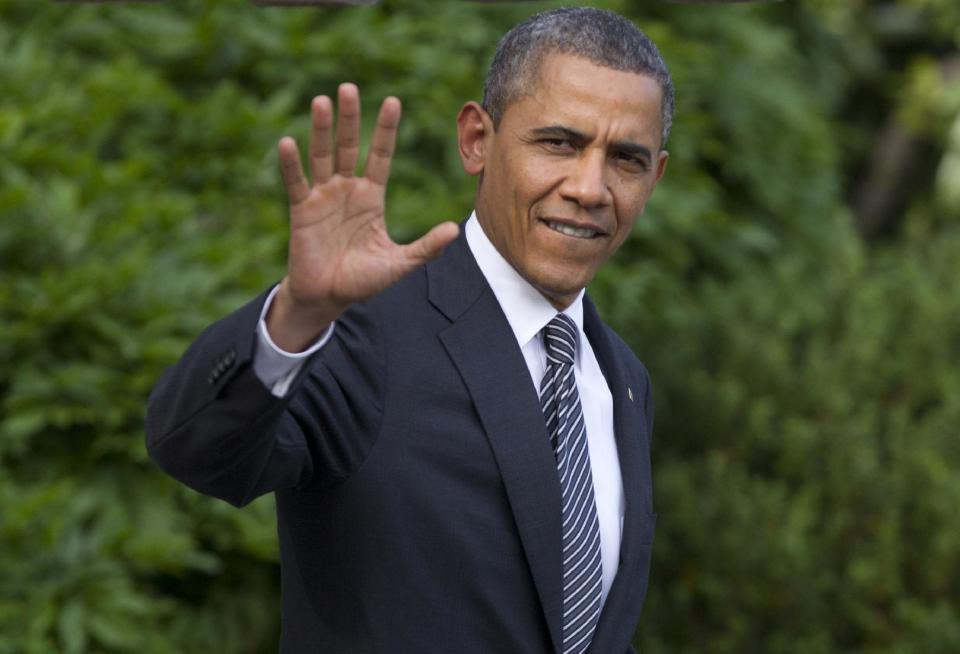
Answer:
[(602, 37), (568, 144)]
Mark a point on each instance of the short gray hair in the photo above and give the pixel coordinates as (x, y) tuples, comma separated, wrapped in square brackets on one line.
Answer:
[(600, 36)]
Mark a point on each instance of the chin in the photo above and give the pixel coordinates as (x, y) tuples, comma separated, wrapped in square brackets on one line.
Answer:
[(556, 278), (563, 290)]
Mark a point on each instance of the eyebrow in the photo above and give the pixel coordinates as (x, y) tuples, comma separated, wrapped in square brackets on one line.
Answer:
[(559, 131), (620, 147)]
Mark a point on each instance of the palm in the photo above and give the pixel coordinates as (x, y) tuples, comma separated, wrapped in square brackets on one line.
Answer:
[(339, 247), (340, 251)]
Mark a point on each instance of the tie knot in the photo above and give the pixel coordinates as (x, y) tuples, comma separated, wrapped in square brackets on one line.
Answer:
[(560, 340)]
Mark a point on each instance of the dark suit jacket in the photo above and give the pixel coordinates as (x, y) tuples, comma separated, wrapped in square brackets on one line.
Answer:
[(417, 495)]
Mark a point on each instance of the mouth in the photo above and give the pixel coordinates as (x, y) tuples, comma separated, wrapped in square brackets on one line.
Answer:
[(570, 230)]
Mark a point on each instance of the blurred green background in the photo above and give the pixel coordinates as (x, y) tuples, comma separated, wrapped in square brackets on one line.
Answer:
[(793, 288)]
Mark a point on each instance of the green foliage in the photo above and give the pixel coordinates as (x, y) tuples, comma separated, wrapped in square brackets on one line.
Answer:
[(807, 399), (810, 466)]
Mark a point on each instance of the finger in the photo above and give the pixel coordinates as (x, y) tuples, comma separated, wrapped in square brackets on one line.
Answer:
[(377, 168), (292, 171), (430, 245), (321, 129), (348, 129)]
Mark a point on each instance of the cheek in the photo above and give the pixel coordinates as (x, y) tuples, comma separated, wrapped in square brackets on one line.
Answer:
[(627, 217), (631, 199), (535, 177)]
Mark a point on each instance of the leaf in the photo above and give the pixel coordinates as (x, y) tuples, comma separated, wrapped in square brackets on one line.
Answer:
[(71, 629)]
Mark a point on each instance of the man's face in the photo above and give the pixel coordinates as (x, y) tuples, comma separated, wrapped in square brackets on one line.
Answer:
[(568, 171)]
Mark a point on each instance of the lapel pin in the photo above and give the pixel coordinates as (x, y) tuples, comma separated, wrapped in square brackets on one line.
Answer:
[(630, 393)]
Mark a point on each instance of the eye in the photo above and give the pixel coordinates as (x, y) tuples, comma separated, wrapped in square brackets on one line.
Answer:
[(630, 161), (559, 144)]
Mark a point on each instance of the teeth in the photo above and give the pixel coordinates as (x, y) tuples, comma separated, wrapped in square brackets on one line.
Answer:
[(578, 232)]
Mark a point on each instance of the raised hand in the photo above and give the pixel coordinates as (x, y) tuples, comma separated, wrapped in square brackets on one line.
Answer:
[(340, 251)]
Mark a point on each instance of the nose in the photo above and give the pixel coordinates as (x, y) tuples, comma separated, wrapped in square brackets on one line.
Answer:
[(586, 184)]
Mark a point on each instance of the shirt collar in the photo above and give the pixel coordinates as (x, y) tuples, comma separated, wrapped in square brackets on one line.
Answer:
[(527, 311)]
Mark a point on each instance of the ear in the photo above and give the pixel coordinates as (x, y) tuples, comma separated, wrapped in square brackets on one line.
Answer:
[(661, 164), (474, 130)]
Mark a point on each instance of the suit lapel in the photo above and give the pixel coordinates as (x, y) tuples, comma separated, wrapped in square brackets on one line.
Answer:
[(483, 348), (613, 631)]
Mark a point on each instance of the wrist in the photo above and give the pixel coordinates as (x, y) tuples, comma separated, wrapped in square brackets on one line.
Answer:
[(293, 326)]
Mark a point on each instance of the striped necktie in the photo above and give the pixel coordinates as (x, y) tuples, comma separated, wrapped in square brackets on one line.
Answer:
[(560, 402)]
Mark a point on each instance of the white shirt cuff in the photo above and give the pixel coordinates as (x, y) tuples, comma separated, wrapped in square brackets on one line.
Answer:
[(277, 368)]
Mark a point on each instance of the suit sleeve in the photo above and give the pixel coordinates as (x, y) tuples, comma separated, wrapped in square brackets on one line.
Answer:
[(212, 424)]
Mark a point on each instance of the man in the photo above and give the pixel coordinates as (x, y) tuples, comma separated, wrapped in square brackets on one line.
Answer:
[(458, 446)]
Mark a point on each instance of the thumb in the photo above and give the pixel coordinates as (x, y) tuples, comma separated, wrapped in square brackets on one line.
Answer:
[(430, 245)]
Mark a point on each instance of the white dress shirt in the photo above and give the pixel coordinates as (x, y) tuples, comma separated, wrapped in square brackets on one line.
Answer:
[(527, 312)]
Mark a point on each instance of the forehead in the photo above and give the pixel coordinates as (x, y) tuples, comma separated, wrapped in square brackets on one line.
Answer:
[(575, 92)]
